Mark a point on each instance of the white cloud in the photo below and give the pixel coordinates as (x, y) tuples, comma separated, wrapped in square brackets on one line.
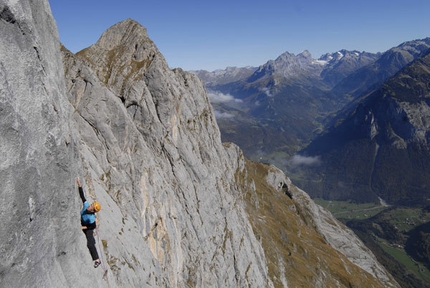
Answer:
[(218, 97), (266, 91), (224, 115), (303, 160)]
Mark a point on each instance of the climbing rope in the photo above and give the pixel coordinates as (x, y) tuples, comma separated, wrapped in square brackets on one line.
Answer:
[(105, 276)]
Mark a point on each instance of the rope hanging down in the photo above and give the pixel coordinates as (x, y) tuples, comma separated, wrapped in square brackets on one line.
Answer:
[(105, 276)]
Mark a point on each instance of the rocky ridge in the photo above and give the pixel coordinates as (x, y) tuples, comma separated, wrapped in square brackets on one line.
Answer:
[(224, 76), (178, 205), (342, 63), (330, 68), (387, 64)]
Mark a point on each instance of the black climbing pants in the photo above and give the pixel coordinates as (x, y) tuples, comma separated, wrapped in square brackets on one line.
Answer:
[(91, 243)]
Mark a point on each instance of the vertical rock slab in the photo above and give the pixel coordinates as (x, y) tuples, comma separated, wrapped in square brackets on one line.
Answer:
[(150, 143), (36, 151)]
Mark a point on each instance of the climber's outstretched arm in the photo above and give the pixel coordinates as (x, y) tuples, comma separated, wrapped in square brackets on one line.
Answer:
[(81, 191)]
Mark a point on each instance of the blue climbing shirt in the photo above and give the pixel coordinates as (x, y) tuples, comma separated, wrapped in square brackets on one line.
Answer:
[(87, 217)]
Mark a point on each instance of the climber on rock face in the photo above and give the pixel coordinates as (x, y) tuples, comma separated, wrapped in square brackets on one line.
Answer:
[(89, 223)]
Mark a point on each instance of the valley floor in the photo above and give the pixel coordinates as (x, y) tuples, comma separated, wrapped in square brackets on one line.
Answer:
[(390, 232)]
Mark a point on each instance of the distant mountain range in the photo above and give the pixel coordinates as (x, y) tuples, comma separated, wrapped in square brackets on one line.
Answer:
[(295, 103), (379, 146), (385, 66), (285, 99)]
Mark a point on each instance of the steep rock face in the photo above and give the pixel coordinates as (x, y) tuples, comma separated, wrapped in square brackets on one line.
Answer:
[(37, 154), (178, 206), (158, 154)]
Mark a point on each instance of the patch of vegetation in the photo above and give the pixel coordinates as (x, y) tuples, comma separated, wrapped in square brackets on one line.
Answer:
[(402, 257), (105, 244), (403, 276), (398, 236), (400, 239), (112, 262), (289, 239), (418, 244), (349, 210)]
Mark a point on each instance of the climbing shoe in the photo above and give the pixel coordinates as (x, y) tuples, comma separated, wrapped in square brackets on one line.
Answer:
[(97, 264)]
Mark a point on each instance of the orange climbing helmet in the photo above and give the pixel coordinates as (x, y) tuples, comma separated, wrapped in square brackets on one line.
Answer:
[(97, 206)]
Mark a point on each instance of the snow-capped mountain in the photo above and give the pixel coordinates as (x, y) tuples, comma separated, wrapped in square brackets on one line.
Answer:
[(379, 145), (342, 63), (389, 63)]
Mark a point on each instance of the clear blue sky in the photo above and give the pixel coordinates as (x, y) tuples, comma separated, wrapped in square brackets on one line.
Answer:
[(201, 34)]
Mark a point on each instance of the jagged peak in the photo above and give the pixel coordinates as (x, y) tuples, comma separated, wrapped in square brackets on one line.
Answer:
[(123, 50), (288, 58), (122, 33), (413, 43), (306, 54), (285, 55), (335, 56)]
